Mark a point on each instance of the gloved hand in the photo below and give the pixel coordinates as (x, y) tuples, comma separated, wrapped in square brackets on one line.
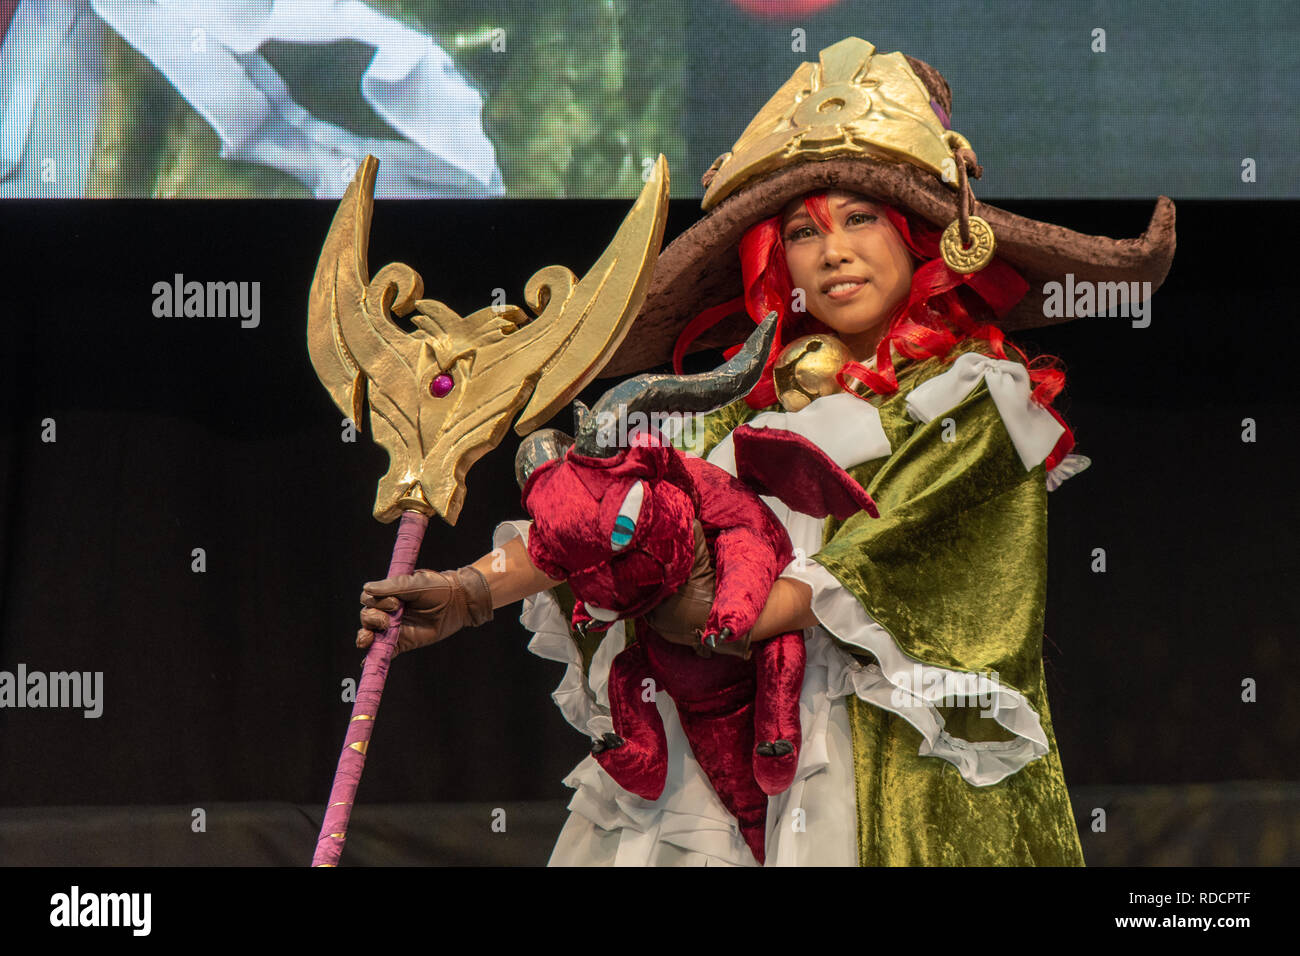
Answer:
[(438, 604)]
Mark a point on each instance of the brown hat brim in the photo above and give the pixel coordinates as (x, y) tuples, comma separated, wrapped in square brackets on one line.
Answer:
[(701, 268)]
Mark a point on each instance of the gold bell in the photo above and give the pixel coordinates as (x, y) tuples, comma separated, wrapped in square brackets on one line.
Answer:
[(806, 370)]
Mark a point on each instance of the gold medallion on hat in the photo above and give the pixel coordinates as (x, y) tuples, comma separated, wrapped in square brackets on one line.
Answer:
[(806, 370), (971, 258)]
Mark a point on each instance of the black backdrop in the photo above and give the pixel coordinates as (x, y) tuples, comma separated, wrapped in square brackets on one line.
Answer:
[(175, 434)]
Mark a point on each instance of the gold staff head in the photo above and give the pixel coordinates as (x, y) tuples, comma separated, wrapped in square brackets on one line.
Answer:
[(444, 395)]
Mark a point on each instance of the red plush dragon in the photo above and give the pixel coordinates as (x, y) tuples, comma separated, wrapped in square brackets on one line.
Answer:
[(627, 527)]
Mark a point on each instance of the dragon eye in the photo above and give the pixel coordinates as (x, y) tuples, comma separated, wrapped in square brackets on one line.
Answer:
[(625, 523)]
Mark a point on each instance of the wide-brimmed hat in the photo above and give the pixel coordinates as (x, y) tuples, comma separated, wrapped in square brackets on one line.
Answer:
[(876, 124)]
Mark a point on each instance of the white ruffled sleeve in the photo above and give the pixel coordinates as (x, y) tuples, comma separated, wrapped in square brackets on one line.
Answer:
[(583, 699), (903, 685)]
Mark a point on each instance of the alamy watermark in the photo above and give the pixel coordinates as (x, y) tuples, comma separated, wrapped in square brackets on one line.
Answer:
[(1078, 299), (82, 690), (946, 689), (618, 429), (211, 300), (75, 908)]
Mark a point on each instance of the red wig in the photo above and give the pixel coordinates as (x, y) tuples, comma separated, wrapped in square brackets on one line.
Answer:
[(943, 308)]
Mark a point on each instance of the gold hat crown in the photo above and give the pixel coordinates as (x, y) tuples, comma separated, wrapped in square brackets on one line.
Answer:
[(854, 101)]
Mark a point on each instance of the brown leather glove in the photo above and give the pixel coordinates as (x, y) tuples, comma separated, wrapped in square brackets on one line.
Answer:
[(438, 604), (680, 619)]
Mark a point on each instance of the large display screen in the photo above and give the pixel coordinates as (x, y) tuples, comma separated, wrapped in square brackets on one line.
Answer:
[(575, 98)]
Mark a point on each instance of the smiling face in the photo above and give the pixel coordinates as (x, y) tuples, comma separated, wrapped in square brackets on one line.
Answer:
[(855, 274)]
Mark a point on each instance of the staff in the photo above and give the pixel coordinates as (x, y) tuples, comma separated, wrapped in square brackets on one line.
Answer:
[(443, 396)]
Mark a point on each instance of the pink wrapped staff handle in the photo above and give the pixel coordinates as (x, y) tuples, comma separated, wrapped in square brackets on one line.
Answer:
[(334, 830)]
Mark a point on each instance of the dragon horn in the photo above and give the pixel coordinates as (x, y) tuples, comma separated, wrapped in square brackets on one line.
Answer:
[(680, 393), (580, 414), (541, 446)]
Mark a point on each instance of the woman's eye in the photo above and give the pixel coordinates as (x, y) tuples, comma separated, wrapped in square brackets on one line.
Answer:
[(861, 217), (801, 233), (625, 523)]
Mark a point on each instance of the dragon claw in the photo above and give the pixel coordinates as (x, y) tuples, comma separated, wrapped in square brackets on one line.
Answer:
[(712, 640), (774, 748)]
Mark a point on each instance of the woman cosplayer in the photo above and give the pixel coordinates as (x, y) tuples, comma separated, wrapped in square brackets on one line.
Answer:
[(926, 733)]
